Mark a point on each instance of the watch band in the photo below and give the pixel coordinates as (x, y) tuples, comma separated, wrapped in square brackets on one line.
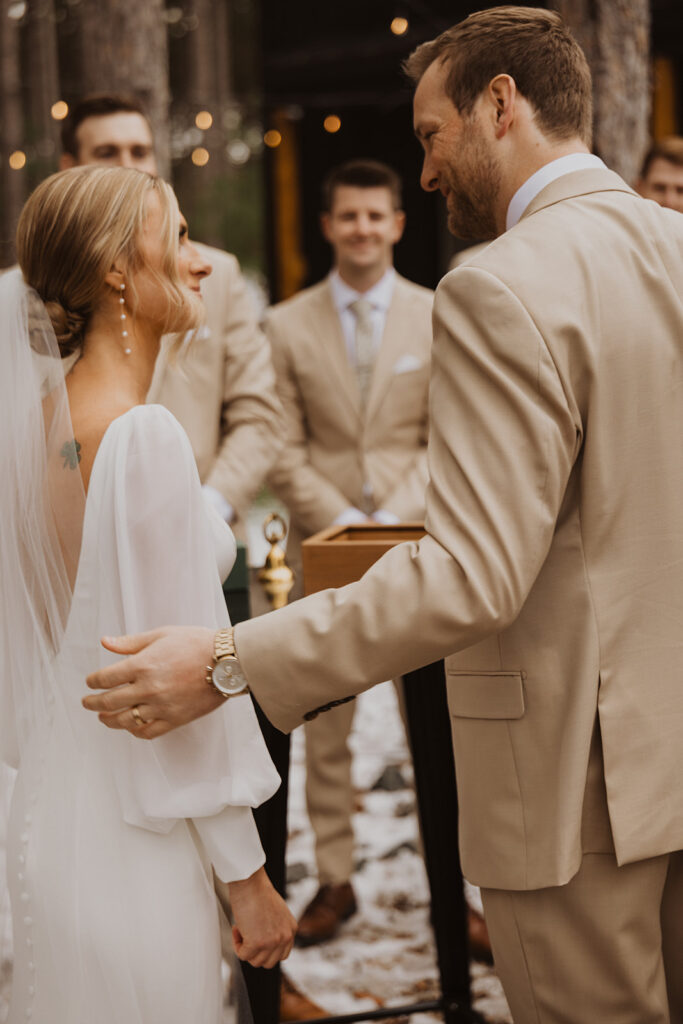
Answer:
[(223, 667), (224, 644)]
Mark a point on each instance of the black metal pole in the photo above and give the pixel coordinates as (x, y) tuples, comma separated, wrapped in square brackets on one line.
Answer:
[(263, 986), (380, 1014), (437, 801)]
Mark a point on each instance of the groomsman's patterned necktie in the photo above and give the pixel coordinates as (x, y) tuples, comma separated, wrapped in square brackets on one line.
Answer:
[(365, 346)]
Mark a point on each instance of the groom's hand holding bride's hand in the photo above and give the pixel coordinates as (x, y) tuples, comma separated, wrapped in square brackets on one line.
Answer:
[(160, 686), (264, 929)]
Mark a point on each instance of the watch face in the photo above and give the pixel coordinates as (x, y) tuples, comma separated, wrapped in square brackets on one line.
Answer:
[(228, 677)]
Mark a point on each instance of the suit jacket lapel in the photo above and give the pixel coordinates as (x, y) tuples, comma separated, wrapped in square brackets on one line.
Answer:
[(332, 347), (160, 369), (396, 329)]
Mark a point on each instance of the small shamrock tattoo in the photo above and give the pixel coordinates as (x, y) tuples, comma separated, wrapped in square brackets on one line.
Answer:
[(71, 453)]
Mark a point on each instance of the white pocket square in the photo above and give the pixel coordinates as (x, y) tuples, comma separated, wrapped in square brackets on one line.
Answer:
[(407, 363)]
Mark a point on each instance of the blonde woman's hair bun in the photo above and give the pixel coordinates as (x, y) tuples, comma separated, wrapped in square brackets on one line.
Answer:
[(68, 325)]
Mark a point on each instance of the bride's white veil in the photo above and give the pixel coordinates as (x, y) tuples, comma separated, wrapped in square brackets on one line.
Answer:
[(42, 502)]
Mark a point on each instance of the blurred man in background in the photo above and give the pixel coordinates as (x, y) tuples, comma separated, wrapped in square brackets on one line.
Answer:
[(661, 177)]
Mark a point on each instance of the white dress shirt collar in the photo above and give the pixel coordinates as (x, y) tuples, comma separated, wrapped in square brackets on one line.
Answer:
[(549, 172), (379, 295)]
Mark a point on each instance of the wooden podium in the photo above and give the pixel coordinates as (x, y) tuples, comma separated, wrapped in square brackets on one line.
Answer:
[(333, 558), (341, 554)]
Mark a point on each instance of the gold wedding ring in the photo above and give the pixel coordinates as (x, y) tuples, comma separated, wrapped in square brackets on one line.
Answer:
[(139, 720)]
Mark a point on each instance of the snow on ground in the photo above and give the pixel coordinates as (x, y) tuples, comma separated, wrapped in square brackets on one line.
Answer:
[(384, 954)]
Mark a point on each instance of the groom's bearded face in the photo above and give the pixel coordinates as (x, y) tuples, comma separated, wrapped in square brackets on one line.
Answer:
[(458, 158), (473, 179)]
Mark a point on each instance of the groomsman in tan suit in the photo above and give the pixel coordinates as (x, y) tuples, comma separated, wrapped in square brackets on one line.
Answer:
[(223, 390), (352, 358), (554, 546), (661, 176)]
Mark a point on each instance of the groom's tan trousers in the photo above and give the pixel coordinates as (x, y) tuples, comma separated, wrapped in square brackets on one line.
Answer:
[(607, 948)]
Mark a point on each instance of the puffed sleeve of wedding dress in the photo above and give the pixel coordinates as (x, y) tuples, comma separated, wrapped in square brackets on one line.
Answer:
[(156, 564)]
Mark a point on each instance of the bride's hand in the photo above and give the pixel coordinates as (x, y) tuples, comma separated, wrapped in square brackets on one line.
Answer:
[(264, 928)]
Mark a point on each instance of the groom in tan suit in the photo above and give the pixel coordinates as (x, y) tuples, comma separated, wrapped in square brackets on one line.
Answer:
[(352, 358), (553, 564)]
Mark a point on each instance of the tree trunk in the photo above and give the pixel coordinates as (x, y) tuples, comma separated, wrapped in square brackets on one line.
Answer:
[(42, 71), (615, 36), (12, 182), (209, 56), (125, 49), (206, 66)]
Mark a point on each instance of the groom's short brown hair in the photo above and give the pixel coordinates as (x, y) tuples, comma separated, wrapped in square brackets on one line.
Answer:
[(534, 47)]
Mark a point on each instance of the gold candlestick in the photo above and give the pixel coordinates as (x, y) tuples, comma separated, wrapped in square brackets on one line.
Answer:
[(276, 576)]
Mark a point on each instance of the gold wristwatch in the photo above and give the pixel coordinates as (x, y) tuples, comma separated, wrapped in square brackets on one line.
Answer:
[(226, 675)]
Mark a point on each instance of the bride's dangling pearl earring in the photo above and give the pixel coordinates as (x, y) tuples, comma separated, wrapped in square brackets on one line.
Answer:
[(124, 333)]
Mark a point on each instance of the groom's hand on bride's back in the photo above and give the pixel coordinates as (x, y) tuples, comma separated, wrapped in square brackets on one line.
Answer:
[(160, 685)]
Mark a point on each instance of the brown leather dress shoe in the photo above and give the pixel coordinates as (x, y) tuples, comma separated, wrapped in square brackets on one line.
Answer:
[(329, 908), (294, 1005), (478, 937)]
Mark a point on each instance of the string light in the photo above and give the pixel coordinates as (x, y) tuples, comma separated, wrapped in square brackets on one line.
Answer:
[(238, 151), (17, 160), (332, 123), (200, 156), (59, 110), (399, 26), (272, 138), (203, 120)]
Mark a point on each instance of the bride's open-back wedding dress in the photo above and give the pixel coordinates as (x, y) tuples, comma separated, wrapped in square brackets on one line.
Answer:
[(111, 838)]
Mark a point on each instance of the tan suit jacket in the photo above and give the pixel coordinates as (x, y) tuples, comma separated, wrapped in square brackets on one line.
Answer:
[(223, 390), (334, 456), (555, 541)]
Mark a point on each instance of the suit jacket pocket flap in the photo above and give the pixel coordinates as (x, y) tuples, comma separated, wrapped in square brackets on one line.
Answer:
[(486, 694)]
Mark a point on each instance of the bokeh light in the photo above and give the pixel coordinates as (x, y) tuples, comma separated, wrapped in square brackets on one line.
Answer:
[(272, 138), (17, 160), (59, 110), (200, 156), (238, 152), (332, 123), (399, 26), (203, 120)]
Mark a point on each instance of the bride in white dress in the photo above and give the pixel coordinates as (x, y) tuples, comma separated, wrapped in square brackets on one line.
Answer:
[(105, 531)]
